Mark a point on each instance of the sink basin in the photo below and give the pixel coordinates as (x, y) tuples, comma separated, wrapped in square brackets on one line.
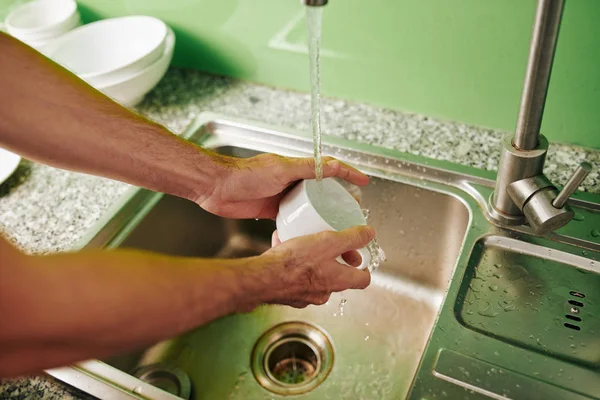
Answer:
[(412, 334), (378, 335)]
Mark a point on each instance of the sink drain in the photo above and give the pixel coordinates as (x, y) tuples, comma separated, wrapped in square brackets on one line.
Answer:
[(170, 379), (292, 358)]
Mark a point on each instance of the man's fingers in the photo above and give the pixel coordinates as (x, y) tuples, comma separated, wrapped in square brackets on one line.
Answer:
[(304, 168), (337, 243), (348, 278), (336, 168)]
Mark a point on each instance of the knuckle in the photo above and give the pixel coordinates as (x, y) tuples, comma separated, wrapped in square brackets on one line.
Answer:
[(364, 235), (307, 162), (327, 236), (334, 166), (272, 157), (357, 237)]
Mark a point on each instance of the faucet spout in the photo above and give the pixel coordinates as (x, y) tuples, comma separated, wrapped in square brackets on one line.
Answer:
[(537, 77), (314, 3)]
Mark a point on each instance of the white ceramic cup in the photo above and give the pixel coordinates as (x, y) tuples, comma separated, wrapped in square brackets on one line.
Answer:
[(305, 210)]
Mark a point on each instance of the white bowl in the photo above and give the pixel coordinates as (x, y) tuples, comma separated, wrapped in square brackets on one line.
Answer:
[(132, 90), (42, 18), (40, 43), (50, 34), (8, 164), (110, 50)]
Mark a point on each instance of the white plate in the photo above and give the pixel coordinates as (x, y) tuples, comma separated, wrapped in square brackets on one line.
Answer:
[(8, 164)]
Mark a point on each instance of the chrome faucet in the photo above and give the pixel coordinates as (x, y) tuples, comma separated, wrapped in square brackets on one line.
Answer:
[(314, 3), (523, 193)]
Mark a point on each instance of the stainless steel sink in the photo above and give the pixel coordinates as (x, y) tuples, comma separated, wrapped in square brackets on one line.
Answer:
[(435, 322)]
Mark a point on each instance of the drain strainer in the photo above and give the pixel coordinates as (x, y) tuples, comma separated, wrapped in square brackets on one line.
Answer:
[(292, 358)]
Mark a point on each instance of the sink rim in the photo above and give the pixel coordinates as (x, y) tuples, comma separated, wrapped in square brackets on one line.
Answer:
[(468, 185)]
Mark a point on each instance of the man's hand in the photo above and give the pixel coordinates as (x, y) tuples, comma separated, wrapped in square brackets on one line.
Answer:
[(253, 187), (304, 270)]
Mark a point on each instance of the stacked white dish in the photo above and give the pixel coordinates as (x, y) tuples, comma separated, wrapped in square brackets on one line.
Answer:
[(122, 57), (8, 164), (39, 22)]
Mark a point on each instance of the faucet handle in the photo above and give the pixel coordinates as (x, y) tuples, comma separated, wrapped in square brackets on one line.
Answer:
[(572, 184), (544, 208)]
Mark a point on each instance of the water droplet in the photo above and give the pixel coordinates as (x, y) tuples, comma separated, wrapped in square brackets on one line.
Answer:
[(498, 265), (256, 219), (138, 390), (572, 345), (578, 217), (493, 288), (366, 338), (366, 212), (489, 311), (595, 232), (508, 305), (496, 353), (583, 252), (342, 304)]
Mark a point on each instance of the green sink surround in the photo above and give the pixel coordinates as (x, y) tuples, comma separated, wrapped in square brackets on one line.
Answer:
[(462, 60)]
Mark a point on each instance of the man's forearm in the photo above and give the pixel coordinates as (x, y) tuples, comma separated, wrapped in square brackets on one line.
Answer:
[(69, 307), (49, 115)]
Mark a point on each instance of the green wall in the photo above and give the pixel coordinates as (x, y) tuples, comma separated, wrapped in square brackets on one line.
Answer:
[(456, 59)]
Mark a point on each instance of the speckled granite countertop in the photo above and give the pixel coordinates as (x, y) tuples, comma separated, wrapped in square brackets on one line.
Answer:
[(43, 209)]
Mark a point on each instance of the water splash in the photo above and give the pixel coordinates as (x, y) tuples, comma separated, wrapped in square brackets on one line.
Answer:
[(314, 17), (376, 255), (341, 306)]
